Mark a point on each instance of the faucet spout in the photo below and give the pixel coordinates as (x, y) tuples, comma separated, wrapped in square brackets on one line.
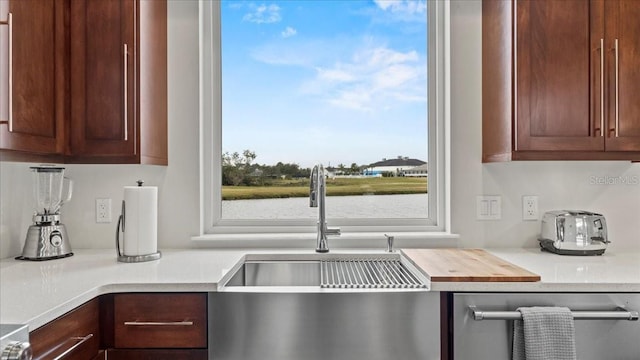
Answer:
[(317, 195)]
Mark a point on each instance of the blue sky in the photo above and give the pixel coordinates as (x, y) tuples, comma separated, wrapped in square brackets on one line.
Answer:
[(324, 81)]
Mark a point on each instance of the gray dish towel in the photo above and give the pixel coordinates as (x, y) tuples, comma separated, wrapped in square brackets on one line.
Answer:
[(544, 333)]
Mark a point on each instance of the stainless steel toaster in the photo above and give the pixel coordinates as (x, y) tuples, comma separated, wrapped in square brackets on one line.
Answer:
[(574, 232)]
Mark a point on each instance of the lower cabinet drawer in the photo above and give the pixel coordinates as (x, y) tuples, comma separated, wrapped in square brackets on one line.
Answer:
[(73, 336), (157, 354), (166, 320)]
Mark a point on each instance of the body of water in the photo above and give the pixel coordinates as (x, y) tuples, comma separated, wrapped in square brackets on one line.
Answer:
[(364, 206)]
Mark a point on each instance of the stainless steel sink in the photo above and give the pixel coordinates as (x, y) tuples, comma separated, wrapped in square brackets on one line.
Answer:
[(354, 273), (276, 307), (277, 273)]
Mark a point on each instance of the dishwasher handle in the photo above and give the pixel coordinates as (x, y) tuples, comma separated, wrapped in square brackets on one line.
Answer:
[(620, 314)]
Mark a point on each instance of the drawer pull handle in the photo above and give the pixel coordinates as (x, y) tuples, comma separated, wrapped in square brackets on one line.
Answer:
[(158, 323), (81, 341), (621, 314)]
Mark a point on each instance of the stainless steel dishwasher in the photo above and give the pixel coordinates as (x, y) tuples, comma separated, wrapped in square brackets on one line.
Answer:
[(606, 325), (324, 307)]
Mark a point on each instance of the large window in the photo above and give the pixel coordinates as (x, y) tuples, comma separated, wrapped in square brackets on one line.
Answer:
[(356, 86)]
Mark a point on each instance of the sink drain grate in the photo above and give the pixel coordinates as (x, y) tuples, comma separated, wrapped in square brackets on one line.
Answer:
[(364, 273)]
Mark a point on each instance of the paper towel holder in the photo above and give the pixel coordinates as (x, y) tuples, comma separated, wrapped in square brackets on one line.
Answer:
[(129, 258)]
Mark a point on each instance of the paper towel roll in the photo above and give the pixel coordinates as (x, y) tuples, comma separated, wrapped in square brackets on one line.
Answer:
[(140, 220)]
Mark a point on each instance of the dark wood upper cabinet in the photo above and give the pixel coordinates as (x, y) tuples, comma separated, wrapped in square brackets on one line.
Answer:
[(118, 82), (89, 80), (623, 91), (549, 80), (32, 76)]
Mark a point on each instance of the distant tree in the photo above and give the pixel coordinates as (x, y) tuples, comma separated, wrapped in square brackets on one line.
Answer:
[(238, 160), (354, 169), (239, 169), (236, 167)]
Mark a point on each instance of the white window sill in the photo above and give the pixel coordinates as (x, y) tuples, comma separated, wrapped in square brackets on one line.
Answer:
[(308, 240)]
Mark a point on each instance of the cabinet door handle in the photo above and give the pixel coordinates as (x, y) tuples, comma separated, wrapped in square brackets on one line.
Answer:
[(617, 86), (158, 323), (601, 87), (126, 95), (81, 341), (9, 23)]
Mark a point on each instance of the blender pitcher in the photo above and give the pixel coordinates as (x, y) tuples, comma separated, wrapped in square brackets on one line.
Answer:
[(47, 238), (48, 184)]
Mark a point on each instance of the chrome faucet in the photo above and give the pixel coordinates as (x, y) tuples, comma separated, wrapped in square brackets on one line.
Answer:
[(317, 195)]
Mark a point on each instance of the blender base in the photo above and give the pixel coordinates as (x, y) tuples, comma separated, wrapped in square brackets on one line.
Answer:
[(43, 258)]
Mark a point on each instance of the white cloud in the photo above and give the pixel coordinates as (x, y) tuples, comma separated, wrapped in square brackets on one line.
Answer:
[(335, 75), (288, 32), (355, 99), (308, 53), (409, 7), (375, 78), (369, 78), (263, 14)]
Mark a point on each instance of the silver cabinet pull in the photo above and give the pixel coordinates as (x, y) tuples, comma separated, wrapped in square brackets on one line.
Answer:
[(621, 314), (601, 87), (81, 341), (9, 23), (617, 86), (126, 95), (158, 323)]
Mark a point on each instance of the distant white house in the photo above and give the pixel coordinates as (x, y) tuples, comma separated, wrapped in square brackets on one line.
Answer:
[(330, 172), (418, 171), (396, 166)]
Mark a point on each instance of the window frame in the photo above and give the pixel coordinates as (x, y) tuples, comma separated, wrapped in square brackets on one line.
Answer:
[(213, 226)]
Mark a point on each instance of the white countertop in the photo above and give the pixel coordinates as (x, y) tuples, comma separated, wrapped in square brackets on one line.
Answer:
[(610, 272), (35, 293)]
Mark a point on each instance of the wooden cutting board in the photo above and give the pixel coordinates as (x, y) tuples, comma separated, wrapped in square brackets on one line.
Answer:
[(467, 265)]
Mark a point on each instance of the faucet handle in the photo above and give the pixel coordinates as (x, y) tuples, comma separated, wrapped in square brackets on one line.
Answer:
[(313, 187), (389, 243), (333, 231)]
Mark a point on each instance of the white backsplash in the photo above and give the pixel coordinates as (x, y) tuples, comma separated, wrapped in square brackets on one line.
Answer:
[(558, 184)]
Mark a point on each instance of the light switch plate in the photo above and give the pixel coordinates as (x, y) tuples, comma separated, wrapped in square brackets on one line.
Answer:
[(489, 207)]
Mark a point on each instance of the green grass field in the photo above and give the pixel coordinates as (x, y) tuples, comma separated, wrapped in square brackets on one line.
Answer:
[(335, 187)]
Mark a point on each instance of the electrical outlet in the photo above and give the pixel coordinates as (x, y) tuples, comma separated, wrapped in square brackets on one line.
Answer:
[(103, 210), (529, 207)]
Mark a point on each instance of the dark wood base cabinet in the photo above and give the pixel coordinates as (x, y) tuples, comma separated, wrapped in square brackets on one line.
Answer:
[(73, 336), (156, 354), (155, 326), (128, 326)]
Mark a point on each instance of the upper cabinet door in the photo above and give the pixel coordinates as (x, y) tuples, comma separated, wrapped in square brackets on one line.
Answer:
[(32, 76), (557, 59), (103, 73), (623, 57)]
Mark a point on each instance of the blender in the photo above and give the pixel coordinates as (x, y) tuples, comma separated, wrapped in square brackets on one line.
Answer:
[(47, 238)]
